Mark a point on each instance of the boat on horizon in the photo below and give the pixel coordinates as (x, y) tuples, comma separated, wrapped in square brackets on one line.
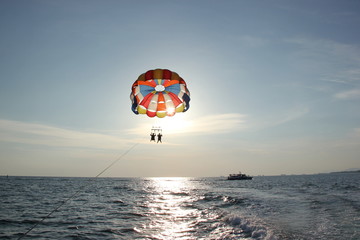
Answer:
[(239, 176)]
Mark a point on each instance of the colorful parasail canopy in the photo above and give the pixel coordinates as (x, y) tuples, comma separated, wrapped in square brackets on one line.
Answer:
[(159, 93)]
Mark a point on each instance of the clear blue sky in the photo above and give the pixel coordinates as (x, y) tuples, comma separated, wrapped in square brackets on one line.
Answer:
[(275, 86)]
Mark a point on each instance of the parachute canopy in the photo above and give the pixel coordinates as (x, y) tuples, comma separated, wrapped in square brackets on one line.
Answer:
[(159, 93)]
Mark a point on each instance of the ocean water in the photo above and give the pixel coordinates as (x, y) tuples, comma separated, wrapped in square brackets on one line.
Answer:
[(324, 206)]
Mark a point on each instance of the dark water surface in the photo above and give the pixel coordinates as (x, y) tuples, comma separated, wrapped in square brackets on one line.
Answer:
[(324, 206)]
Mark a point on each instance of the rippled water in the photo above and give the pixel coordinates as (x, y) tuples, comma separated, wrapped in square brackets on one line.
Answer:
[(325, 206)]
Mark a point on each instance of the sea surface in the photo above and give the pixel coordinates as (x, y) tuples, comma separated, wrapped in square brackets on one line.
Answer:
[(324, 206)]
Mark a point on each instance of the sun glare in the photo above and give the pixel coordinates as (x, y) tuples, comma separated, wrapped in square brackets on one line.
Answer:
[(173, 125)]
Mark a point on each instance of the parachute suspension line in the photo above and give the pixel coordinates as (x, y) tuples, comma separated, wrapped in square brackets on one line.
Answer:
[(157, 126), (156, 129), (77, 192)]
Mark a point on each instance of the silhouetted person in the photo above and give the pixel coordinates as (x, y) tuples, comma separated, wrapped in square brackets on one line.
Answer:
[(152, 135), (159, 137)]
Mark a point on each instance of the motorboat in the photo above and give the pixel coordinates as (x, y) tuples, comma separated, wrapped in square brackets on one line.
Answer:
[(239, 176)]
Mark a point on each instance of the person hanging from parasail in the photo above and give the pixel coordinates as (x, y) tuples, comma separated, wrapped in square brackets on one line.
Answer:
[(159, 137), (152, 136)]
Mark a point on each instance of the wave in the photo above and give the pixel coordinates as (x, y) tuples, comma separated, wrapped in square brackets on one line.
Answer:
[(118, 201), (122, 188), (24, 221), (248, 229), (231, 201), (181, 194), (210, 197)]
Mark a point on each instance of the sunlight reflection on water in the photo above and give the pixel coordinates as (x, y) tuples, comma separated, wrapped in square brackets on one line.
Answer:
[(169, 218)]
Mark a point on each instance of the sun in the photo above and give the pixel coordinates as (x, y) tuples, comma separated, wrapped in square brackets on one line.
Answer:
[(174, 125)]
